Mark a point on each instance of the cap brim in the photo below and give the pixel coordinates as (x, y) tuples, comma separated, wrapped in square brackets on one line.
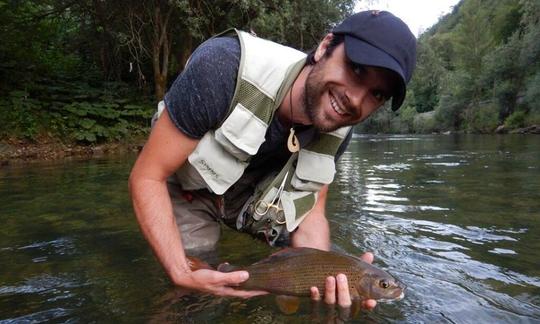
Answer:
[(363, 53)]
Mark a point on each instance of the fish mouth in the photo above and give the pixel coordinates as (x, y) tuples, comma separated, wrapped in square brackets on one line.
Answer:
[(392, 299)]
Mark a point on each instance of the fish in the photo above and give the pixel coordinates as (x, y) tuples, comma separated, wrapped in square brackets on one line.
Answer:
[(293, 271)]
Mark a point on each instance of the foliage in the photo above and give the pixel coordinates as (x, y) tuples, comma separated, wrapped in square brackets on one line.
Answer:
[(406, 117), (85, 70), (483, 119), (425, 123), (378, 122), (476, 68), (427, 78), (532, 93), (75, 113), (300, 23), (516, 120)]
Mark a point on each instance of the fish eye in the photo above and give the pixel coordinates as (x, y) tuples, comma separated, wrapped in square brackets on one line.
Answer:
[(384, 284)]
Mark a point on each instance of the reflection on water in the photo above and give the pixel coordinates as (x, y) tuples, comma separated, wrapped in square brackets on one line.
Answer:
[(455, 218)]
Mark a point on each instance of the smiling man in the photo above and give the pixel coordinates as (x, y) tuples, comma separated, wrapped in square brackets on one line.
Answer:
[(248, 136)]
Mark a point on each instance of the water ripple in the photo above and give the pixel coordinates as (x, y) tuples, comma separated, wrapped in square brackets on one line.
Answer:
[(61, 246), (39, 284), (39, 317)]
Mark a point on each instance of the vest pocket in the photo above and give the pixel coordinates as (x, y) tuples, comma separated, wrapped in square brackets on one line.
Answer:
[(296, 206), (216, 167), (313, 171), (233, 131)]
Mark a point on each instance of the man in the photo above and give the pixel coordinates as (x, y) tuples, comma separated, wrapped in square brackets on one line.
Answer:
[(248, 135)]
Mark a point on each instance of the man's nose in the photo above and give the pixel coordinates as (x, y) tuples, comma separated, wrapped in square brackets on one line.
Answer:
[(357, 96)]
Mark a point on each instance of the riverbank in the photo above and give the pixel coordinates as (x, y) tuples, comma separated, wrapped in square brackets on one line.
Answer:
[(14, 151), (49, 150)]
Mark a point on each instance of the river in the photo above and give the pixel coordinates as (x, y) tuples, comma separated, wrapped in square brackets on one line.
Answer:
[(456, 218)]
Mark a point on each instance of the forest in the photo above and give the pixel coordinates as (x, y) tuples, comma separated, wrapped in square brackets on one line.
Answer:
[(478, 71), (92, 71)]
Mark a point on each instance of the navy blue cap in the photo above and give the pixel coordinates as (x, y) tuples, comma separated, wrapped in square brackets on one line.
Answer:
[(378, 38)]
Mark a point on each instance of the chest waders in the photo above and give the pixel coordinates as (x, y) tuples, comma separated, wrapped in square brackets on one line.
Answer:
[(281, 201)]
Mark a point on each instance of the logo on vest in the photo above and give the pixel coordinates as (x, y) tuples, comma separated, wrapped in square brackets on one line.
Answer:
[(208, 169)]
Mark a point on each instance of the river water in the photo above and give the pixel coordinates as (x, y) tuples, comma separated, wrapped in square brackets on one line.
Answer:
[(456, 218)]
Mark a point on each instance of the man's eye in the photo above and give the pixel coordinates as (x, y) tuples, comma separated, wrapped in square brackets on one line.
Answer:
[(379, 96), (358, 69)]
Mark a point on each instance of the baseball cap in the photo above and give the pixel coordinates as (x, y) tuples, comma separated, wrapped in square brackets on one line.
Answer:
[(378, 38)]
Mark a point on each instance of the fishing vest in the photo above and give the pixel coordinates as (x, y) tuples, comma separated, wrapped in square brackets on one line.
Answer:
[(265, 74)]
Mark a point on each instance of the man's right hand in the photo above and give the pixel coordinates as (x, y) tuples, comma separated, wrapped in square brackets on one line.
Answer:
[(218, 283), (166, 150)]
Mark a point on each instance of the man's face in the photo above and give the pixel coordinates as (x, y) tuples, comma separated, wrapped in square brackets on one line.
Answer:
[(338, 93)]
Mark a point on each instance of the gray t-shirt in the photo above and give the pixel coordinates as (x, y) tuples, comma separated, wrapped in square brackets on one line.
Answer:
[(199, 100)]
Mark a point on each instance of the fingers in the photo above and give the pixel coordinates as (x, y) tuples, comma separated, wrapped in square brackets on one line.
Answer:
[(336, 290), (219, 283), (330, 290), (367, 257), (315, 295), (343, 293), (369, 304), (231, 279)]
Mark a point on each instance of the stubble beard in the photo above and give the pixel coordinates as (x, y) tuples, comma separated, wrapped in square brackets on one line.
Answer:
[(311, 100)]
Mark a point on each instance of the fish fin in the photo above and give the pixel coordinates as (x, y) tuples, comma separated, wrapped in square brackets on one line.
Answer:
[(289, 252), (356, 307), (354, 293), (197, 264), (226, 267), (288, 304)]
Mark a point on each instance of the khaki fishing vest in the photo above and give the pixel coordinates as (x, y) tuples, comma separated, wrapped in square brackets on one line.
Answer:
[(266, 72)]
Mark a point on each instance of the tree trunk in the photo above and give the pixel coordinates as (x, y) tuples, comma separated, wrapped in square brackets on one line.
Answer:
[(187, 47), (161, 44)]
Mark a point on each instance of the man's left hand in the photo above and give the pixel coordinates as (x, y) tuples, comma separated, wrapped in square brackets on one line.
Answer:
[(337, 290)]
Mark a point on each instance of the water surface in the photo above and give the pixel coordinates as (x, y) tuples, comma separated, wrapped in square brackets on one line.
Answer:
[(457, 218)]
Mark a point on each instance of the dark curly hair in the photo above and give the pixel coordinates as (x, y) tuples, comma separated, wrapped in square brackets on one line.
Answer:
[(336, 40)]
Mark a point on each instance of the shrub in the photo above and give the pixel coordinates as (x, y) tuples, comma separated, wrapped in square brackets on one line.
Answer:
[(532, 118), (425, 123), (515, 120), (483, 119), (406, 117)]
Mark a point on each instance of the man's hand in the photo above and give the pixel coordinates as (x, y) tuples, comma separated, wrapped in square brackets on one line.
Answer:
[(218, 283), (337, 290)]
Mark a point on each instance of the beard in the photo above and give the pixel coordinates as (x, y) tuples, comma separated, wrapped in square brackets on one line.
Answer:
[(313, 93)]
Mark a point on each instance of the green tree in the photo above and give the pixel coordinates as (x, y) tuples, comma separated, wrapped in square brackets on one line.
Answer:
[(426, 80)]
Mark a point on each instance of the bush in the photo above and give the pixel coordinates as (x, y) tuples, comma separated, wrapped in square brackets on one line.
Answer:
[(532, 118), (515, 120), (532, 93), (74, 112), (483, 119), (21, 115), (406, 119), (425, 123)]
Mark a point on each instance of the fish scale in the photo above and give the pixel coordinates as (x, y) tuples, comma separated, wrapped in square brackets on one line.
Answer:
[(291, 278)]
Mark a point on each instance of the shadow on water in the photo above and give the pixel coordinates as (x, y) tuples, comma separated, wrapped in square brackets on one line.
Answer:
[(454, 217)]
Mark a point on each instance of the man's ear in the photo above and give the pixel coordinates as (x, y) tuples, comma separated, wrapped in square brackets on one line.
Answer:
[(323, 46)]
